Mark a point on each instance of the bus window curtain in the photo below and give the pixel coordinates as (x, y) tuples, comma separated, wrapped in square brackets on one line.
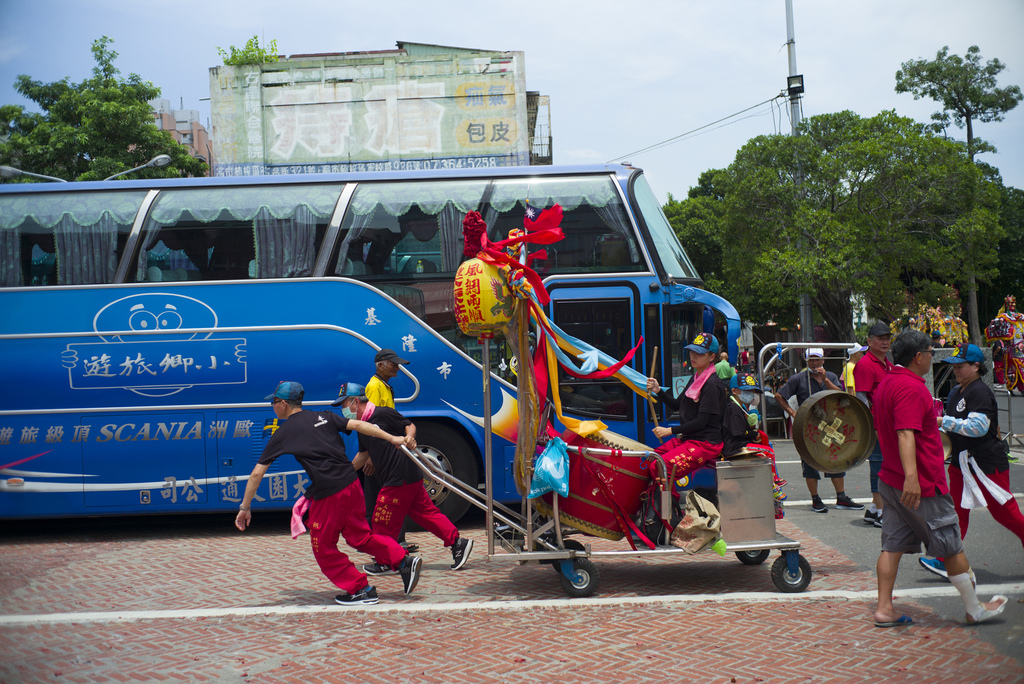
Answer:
[(86, 255), (611, 214), (285, 248), (10, 257), (360, 222), (449, 221)]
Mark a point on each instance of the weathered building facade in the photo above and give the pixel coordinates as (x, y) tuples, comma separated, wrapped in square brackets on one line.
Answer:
[(419, 106)]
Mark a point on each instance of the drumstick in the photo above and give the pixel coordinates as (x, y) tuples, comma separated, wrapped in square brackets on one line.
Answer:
[(650, 401)]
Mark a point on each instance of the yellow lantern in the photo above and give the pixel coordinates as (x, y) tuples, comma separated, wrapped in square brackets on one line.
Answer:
[(483, 302)]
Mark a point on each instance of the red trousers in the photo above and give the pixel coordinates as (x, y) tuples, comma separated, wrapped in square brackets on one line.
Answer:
[(1008, 514), (394, 503), (344, 514), (687, 456)]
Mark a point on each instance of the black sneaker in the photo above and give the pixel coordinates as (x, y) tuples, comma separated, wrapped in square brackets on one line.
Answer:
[(379, 569), (367, 596), (410, 572), (845, 503), (817, 506), (872, 517), (460, 552), (410, 548)]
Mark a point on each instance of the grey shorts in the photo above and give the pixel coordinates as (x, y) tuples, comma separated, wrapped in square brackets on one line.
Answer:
[(933, 523)]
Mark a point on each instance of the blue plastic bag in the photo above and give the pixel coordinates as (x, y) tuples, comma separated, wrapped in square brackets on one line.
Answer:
[(551, 470)]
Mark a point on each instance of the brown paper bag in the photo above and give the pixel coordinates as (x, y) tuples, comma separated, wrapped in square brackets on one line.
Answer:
[(700, 526)]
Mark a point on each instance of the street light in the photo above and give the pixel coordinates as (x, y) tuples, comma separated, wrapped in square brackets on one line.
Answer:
[(795, 85), (157, 162), (7, 172)]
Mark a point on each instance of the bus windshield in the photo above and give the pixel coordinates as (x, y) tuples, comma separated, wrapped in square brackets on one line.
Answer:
[(673, 257)]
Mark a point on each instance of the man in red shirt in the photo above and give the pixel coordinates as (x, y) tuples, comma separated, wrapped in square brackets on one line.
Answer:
[(913, 484), (870, 370)]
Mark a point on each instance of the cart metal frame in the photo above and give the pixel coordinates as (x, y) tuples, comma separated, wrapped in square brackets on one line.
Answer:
[(523, 539)]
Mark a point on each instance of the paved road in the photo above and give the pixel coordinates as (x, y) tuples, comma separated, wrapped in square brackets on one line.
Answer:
[(146, 599)]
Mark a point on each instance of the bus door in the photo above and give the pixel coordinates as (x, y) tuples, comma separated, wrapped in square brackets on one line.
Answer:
[(608, 319), (118, 461), (680, 323)]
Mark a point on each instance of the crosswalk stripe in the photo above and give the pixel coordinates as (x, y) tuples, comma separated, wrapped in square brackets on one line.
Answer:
[(267, 611)]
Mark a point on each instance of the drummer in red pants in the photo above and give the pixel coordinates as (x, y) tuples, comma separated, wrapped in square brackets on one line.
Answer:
[(979, 464), (697, 440)]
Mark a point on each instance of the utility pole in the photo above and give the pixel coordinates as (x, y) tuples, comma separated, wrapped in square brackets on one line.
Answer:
[(795, 86)]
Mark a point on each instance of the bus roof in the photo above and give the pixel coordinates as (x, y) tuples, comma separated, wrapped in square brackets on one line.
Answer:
[(620, 170)]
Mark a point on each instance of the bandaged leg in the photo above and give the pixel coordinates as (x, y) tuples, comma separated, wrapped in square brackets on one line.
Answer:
[(976, 612)]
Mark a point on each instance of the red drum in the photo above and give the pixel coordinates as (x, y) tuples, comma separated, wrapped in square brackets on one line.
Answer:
[(602, 489)]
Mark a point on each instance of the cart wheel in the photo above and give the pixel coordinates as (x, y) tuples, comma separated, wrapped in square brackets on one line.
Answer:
[(753, 557), (586, 580), (569, 544), (787, 583)]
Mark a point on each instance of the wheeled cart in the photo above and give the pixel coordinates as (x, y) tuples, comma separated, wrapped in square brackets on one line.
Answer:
[(746, 505)]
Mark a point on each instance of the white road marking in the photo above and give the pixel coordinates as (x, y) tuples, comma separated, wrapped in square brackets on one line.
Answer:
[(832, 504), (266, 611)]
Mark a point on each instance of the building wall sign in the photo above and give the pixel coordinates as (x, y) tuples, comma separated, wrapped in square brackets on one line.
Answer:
[(370, 112)]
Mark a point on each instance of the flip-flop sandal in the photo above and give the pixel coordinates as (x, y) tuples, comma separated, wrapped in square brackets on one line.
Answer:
[(988, 614), (903, 620)]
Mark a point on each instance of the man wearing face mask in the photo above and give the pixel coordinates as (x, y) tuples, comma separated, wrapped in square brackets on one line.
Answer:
[(802, 385), (402, 492)]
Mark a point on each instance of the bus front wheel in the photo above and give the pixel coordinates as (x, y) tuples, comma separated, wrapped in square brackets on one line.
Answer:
[(455, 456)]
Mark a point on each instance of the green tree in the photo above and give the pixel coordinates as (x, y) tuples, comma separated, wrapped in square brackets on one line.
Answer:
[(1010, 279), (884, 209), (967, 91), (252, 53), (90, 130), (699, 221)]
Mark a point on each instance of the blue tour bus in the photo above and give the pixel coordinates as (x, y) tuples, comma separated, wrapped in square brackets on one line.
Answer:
[(144, 321)]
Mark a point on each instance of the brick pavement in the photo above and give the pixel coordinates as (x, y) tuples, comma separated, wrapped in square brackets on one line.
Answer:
[(791, 638)]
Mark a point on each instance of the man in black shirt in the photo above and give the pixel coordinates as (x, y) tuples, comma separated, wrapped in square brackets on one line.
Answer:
[(402, 490), (334, 497)]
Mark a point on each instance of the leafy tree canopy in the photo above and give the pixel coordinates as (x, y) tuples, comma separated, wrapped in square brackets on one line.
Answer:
[(964, 86), (875, 207), (1010, 266), (252, 53), (968, 93), (90, 130)]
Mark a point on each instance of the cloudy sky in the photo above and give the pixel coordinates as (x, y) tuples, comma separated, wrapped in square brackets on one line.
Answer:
[(621, 76)]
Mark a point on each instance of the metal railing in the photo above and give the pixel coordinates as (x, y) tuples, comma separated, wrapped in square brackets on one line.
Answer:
[(1011, 438), (776, 352)]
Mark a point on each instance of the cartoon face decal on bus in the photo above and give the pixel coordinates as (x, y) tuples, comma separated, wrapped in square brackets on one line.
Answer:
[(141, 351)]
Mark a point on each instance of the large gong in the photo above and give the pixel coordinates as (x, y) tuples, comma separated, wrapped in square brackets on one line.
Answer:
[(833, 431)]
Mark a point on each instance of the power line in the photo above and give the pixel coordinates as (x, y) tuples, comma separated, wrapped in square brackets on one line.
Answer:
[(700, 128)]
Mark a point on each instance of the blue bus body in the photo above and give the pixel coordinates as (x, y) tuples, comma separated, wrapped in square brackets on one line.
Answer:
[(144, 321)]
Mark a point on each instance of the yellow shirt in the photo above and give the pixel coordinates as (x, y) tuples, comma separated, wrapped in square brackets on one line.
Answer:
[(848, 377), (380, 393)]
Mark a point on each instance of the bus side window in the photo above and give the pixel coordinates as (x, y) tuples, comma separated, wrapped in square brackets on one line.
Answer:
[(598, 233), (409, 230), (235, 233), (62, 238)]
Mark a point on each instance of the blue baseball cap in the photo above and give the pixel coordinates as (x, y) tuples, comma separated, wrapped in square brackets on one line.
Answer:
[(966, 353), (745, 381), (705, 343), (291, 391), (349, 389)]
